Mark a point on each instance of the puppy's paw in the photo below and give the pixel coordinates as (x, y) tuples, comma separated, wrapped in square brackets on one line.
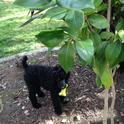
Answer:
[(58, 113), (37, 106), (65, 100)]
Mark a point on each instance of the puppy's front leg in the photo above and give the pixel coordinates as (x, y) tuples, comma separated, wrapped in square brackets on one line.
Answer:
[(33, 99), (56, 103), (64, 100)]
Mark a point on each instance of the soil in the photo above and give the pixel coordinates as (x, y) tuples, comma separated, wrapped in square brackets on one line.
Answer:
[(86, 100)]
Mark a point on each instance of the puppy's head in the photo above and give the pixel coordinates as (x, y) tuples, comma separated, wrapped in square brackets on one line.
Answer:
[(61, 78), (60, 74)]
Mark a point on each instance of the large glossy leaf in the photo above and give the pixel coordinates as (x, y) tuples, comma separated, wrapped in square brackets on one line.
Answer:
[(85, 50), (32, 3), (106, 78), (76, 4), (98, 21), (66, 56), (56, 12), (112, 52), (75, 19), (96, 39), (51, 38)]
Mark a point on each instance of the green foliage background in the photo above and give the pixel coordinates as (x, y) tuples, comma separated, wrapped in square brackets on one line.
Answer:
[(83, 33)]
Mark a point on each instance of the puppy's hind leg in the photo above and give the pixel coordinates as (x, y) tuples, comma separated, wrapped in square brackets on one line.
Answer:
[(40, 93), (33, 99)]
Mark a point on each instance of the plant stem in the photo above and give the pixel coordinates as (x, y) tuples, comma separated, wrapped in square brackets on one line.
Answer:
[(105, 112), (109, 14), (113, 98), (106, 95)]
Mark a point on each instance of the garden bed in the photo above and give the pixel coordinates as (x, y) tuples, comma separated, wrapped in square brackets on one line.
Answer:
[(86, 100)]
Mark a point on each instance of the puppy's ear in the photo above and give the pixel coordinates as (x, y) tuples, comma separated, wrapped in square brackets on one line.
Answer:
[(68, 75), (57, 67), (58, 72)]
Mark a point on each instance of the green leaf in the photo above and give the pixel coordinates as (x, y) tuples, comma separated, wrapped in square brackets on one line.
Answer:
[(112, 52), (120, 25), (89, 11), (76, 4), (102, 7), (66, 56), (107, 35), (100, 51), (98, 2), (121, 56), (98, 81), (121, 35), (56, 12), (51, 38), (98, 21), (82, 62), (85, 50), (99, 65), (32, 3), (95, 37), (70, 31), (106, 78), (84, 34), (122, 1), (75, 19)]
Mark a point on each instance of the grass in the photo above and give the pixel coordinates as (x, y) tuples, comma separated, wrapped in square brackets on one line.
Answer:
[(14, 39)]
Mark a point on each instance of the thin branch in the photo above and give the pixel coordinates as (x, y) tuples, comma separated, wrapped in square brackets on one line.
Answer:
[(114, 97), (105, 114), (106, 95), (109, 14)]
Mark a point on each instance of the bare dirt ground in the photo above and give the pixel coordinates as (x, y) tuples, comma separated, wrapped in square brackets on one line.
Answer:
[(86, 100)]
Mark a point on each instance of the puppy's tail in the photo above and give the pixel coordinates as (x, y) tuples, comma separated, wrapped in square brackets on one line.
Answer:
[(24, 62)]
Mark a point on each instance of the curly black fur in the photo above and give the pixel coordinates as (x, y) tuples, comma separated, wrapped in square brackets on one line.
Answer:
[(49, 78)]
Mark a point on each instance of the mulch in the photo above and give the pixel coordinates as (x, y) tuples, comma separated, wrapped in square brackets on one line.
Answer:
[(86, 100)]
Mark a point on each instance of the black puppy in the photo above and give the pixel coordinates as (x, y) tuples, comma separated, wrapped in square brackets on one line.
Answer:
[(54, 79)]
